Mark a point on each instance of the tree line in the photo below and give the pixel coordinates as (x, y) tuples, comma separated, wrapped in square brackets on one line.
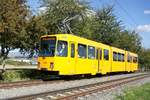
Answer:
[(20, 28)]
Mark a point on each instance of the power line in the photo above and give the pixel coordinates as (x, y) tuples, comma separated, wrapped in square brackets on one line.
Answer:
[(134, 22), (124, 10)]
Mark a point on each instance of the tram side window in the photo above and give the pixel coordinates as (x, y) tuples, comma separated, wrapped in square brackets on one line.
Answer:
[(62, 49), (106, 54), (100, 54), (119, 56), (122, 57), (131, 59), (91, 52), (114, 56), (128, 58), (82, 51), (72, 50), (96, 53), (135, 59)]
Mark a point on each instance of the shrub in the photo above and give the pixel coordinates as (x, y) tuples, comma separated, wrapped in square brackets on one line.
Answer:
[(10, 75), (18, 75)]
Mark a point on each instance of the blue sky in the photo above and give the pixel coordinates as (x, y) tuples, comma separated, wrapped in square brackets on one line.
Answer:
[(135, 14)]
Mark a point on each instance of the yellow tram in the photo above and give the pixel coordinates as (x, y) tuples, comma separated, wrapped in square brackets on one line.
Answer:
[(66, 54)]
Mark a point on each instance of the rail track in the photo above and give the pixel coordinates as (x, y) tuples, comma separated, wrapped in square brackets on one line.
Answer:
[(75, 92), (18, 84), (27, 83), (9, 85)]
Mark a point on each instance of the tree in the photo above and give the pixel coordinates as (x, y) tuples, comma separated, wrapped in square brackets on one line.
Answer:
[(35, 28), (144, 58), (109, 30), (84, 28), (47, 22), (107, 26), (129, 40), (58, 10), (13, 16)]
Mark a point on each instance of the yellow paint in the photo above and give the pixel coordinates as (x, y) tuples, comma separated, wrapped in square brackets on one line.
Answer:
[(72, 66)]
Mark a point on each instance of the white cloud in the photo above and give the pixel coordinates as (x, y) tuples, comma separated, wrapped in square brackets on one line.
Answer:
[(90, 13), (42, 10), (146, 11), (143, 28)]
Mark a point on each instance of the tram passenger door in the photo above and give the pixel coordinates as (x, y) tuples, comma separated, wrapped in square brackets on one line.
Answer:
[(99, 59), (72, 57)]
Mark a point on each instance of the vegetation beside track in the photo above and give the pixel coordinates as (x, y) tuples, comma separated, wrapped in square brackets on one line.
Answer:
[(136, 93), (19, 75), (17, 63)]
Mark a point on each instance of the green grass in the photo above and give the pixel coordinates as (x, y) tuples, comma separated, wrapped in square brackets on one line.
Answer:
[(136, 93), (16, 63)]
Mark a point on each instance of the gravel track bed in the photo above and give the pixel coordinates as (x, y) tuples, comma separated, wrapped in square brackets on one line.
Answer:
[(112, 93), (14, 92)]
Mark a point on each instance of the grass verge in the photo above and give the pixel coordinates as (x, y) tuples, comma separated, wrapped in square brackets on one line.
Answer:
[(136, 93), (17, 63)]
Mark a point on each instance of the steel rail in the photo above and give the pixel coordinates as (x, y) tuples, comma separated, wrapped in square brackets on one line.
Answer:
[(27, 83), (83, 90), (112, 85)]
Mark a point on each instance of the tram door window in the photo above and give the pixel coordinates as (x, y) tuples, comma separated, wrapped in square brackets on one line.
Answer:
[(99, 57), (72, 50), (72, 56), (100, 54), (106, 54)]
